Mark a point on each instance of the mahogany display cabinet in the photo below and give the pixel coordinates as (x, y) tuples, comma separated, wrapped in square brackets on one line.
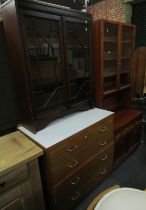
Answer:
[(113, 55), (114, 44), (50, 49)]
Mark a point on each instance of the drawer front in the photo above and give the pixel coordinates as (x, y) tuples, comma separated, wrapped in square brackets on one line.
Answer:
[(127, 127), (13, 177), (70, 156), (97, 168), (105, 129)]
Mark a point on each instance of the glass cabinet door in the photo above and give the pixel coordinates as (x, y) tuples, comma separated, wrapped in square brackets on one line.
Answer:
[(126, 54), (43, 39), (77, 59), (110, 56)]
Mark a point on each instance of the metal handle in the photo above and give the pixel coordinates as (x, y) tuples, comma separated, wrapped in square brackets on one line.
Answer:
[(102, 171), (103, 129), (75, 180), (73, 164), (72, 148), (2, 184), (103, 143), (76, 196), (105, 157)]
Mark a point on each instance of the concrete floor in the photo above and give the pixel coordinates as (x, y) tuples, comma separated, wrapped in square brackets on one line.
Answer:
[(131, 173)]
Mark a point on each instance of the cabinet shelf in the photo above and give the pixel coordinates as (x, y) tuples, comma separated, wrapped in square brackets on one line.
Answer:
[(109, 74), (110, 40), (125, 57), (126, 41), (124, 72), (124, 87), (109, 59), (109, 92)]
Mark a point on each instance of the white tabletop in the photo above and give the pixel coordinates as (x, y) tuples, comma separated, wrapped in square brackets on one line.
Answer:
[(67, 126)]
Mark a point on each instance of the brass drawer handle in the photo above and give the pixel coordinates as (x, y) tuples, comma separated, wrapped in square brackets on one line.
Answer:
[(72, 148), (105, 157), (75, 180), (104, 129), (103, 143), (76, 196), (102, 171), (73, 164), (2, 184)]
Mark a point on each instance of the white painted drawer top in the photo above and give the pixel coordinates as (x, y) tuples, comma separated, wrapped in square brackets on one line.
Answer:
[(67, 126)]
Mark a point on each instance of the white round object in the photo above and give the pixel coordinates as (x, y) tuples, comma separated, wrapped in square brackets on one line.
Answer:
[(123, 199)]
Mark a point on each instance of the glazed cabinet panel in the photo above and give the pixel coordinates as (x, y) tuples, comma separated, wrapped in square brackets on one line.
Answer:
[(77, 59), (43, 38), (52, 61)]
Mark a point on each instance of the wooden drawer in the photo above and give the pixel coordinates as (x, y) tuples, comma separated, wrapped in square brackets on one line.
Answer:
[(90, 174), (105, 129), (79, 149), (13, 177), (127, 127)]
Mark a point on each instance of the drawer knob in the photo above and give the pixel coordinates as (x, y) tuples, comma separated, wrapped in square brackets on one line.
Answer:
[(2, 184), (86, 137), (75, 180), (72, 148), (103, 129), (102, 171), (73, 164), (76, 196), (105, 157), (102, 143)]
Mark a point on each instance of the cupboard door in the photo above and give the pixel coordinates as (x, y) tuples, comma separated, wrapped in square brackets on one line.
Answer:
[(110, 48), (120, 151), (134, 138), (127, 38), (77, 50), (18, 198), (43, 37)]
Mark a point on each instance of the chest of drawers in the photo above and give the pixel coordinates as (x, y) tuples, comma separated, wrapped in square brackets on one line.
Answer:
[(74, 165)]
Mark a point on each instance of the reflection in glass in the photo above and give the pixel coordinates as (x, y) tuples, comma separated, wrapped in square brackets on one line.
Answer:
[(78, 61), (43, 41)]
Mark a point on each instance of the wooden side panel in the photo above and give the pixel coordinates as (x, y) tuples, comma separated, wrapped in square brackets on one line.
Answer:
[(16, 51), (139, 70)]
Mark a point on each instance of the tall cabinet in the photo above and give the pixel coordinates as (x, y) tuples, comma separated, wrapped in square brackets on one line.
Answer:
[(50, 51), (113, 58), (113, 54)]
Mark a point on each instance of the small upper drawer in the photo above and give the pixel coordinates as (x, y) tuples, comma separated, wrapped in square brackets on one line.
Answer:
[(127, 127), (13, 177), (104, 129)]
